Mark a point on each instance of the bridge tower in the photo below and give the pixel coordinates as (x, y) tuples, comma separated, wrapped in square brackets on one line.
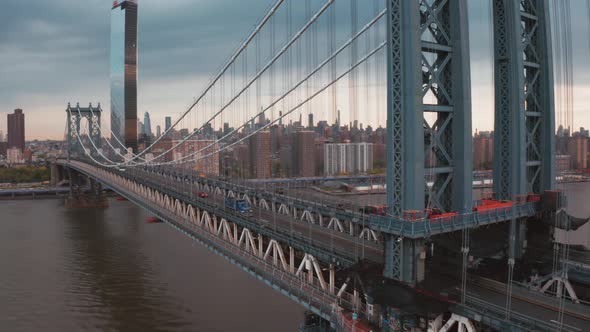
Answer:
[(75, 114), (524, 141), (428, 120)]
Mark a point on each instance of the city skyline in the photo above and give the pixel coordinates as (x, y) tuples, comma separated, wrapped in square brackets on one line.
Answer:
[(165, 87)]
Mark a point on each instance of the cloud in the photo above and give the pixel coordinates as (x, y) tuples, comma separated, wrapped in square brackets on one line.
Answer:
[(52, 52)]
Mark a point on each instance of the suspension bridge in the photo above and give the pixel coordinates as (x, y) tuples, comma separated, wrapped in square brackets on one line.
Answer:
[(366, 216)]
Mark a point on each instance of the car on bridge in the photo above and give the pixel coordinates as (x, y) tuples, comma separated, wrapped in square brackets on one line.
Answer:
[(202, 194), (380, 210), (239, 205)]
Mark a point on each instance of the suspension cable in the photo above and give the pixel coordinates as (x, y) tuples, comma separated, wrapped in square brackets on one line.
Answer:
[(312, 73), (298, 106), (255, 78), (233, 58)]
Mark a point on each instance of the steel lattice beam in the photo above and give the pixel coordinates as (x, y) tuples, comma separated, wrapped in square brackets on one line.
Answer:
[(525, 126), (429, 113)]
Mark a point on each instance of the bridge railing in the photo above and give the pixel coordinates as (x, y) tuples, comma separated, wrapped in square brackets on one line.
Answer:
[(390, 224), (424, 227)]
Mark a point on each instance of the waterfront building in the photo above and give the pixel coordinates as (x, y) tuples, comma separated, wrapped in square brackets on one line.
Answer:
[(577, 148), (14, 155), (347, 158)]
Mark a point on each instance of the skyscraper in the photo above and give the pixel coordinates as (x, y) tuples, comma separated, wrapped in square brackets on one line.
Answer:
[(16, 130), (168, 123), (147, 124), (158, 131), (124, 72)]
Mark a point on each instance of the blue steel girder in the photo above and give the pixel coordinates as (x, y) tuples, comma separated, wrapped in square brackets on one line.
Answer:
[(524, 124), (428, 117), (429, 106)]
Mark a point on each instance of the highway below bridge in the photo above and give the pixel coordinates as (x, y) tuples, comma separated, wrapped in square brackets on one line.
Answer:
[(304, 259)]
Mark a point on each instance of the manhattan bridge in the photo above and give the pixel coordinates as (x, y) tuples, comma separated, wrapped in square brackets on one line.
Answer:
[(371, 216)]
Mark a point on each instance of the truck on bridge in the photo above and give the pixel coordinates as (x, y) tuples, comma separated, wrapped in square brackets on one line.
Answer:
[(239, 205)]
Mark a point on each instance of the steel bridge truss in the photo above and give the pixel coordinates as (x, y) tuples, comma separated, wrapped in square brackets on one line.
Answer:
[(429, 114)]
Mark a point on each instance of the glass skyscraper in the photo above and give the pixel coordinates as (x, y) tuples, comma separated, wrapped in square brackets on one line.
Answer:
[(124, 73)]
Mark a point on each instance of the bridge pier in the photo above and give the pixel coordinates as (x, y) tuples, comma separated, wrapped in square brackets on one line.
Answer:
[(404, 259), (84, 192)]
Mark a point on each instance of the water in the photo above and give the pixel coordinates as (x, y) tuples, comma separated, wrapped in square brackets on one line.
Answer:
[(108, 270), (577, 196)]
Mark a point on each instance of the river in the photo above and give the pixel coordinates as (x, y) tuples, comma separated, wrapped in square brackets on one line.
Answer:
[(108, 270)]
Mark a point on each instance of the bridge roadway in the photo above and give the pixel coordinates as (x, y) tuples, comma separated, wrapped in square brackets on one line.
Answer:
[(420, 228), (526, 302), (529, 314), (356, 248)]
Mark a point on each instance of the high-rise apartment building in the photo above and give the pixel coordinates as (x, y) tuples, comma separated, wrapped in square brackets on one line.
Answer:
[(303, 154), (348, 158), (16, 130), (124, 72), (260, 155)]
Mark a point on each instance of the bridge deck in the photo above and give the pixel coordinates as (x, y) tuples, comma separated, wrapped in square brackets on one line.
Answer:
[(308, 295)]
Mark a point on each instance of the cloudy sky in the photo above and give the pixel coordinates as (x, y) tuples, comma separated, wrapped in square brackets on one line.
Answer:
[(57, 51)]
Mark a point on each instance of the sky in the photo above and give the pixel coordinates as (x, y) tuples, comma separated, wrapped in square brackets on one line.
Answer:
[(55, 52)]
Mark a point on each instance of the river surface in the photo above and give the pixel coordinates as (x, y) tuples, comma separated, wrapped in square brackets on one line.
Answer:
[(108, 270)]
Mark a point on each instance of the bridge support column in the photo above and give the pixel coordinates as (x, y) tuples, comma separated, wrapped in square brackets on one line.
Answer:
[(517, 241), (524, 134), (404, 259), (428, 116)]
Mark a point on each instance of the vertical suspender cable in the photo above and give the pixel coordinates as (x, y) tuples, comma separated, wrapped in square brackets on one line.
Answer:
[(332, 45)]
